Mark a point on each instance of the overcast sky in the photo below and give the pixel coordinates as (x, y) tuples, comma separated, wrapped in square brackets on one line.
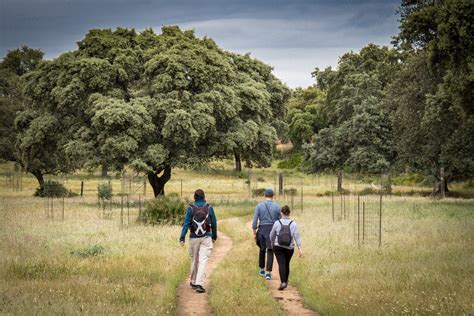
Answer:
[(294, 36)]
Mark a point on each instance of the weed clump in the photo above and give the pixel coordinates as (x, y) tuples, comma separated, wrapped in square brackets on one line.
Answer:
[(168, 209), (91, 251), (54, 189)]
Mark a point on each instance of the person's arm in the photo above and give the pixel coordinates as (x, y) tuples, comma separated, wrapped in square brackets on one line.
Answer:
[(296, 236), (213, 223), (187, 222), (273, 232), (254, 222)]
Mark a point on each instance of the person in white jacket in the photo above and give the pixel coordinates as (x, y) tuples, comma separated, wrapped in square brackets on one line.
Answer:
[(283, 253)]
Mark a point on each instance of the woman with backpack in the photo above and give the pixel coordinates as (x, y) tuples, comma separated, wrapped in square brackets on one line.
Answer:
[(285, 237)]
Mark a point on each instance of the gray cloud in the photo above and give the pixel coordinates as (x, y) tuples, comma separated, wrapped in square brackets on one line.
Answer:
[(292, 36)]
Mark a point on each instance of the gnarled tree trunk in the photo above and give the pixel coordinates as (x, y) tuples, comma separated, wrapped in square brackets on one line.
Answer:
[(238, 162), (104, 171), (39, 176), (158, 182)]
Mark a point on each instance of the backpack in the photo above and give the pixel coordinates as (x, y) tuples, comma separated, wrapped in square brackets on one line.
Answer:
[(284, 237), (200, 224)]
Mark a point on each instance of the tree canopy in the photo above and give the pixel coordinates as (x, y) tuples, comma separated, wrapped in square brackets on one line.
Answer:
[(152, 102)]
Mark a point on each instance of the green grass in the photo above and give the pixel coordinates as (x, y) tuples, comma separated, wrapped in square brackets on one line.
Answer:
[(236, 287), (85, 264), (424, 264), (88, 264)]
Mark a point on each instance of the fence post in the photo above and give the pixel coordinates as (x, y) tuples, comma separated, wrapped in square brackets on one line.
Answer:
[(144, 188), (332, 199), (121, 211), (358, 220), (63, 209), (301, 196), (339, 181), (380, 222), (363, 222), (128, 211), (82, 188), (181, 187), (139, 206), (442, 184), (280, 183)]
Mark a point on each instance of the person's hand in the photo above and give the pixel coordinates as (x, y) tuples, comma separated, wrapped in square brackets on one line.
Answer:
[(255, 235), (213, 240), (300, 252), (181, 243)]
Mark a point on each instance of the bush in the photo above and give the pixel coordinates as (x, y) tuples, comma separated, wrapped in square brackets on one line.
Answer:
[(168, 209), (91, 251), (53, 188), (260, 179), (258, 192), (104, 191), (294, 161), (290, 192)]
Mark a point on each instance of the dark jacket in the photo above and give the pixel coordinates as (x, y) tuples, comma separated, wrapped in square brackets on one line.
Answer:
[(189, 218)]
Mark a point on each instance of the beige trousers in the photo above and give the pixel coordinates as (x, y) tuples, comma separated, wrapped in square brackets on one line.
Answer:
[(200, 250)]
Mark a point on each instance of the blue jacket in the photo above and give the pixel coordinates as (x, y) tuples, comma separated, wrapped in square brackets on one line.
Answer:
[(189, 218), (264, 216)]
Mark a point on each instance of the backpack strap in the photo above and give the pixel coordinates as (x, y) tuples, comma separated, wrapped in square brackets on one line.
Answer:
[(268, 211)]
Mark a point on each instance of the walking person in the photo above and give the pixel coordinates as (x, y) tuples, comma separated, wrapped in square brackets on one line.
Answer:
[(284, 236), (201, 220), (266, 213)]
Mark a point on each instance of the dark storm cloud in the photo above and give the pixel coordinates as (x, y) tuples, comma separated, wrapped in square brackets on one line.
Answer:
[(293, 36)]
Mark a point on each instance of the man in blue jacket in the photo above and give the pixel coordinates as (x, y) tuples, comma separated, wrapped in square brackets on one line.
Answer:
[(201, 220), (266, 213)]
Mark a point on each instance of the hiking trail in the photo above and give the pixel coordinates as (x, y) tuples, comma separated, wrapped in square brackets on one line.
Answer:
[(289, 298), (192, 303)]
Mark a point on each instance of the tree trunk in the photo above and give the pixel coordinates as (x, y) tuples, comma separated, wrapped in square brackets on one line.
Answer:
[(104, 172), (238, 162), (339, 181), (158, 182), (39, 176)]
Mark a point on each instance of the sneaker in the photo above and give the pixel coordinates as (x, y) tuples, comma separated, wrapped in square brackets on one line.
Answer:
[(193, 285), (261, 273), (282, 286), (268, 276), (200, 289)]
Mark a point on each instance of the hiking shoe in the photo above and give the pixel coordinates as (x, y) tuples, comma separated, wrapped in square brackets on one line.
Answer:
[(193, 285), (200, 289), (282, 286), (268, 276), (261, 273)]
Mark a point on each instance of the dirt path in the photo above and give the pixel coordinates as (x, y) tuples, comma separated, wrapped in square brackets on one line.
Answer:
[(192, 303), (290, 298)]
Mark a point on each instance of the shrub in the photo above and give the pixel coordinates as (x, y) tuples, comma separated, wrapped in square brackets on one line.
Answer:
[(260, 179), (291, 191), (258, 192), (294, 161), (168, 209), (91, 251), (53, 188), (104, 191)]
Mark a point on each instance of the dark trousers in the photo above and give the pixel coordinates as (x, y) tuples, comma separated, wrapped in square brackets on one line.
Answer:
[(283, 256), (265, 245)]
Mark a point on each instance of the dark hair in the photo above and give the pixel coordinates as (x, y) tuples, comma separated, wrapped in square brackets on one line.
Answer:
[(199, 195), (285, 210)]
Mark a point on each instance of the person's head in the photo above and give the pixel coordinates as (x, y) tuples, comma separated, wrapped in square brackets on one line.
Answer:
[(285, 210), (268, 193), (199, 195)]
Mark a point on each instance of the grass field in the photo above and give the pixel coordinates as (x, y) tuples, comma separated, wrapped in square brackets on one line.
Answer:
[(90, 263)]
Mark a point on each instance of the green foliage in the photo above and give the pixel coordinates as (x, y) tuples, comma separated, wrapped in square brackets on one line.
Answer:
[(294, 161), (104, 191), (408, 179), (290, 191), (258, 192), (358, 137), (91, 251), (55, 189), (169, 210)]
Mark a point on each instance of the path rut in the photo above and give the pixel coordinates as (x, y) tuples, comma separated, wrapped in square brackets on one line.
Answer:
[(289, 298), (192, 303)]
